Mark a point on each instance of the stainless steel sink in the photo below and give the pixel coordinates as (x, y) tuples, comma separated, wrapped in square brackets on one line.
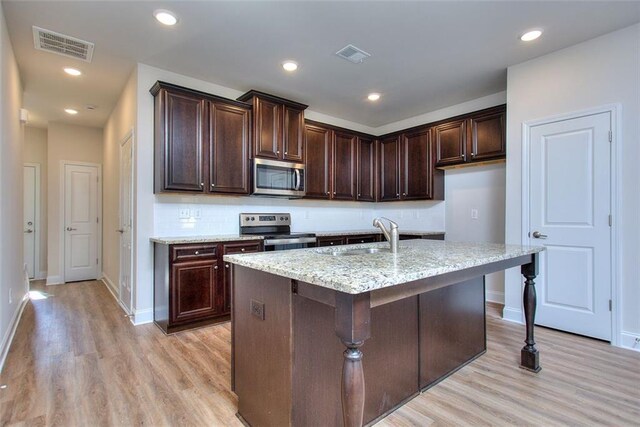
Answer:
[(363, 251)]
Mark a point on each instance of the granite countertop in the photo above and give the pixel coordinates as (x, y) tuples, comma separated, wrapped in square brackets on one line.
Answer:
[(375, 231), (353, 274), (203, 239)]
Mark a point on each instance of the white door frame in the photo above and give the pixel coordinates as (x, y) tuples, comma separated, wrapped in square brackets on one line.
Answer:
[(61, 225), (616, 112), (37, 268), (129, 136)]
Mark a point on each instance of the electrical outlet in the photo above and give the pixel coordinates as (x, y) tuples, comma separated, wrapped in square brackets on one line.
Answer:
[(10, 296), (474, 213), (416, 214), (257, 309), (196, 213), (306, 214), (184, 213)]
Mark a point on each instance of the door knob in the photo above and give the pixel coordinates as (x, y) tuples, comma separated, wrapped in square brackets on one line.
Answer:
[(538, 235), (28, 231), (120, 230), (71, 229)]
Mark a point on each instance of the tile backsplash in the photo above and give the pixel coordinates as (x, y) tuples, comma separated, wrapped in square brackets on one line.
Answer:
[(178, 215)]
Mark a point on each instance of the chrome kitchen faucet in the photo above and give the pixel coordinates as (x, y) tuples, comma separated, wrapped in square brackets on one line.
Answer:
[(391, 235)]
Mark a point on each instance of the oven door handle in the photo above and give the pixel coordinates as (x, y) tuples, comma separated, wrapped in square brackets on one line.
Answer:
[(290, 241), (297, 174)]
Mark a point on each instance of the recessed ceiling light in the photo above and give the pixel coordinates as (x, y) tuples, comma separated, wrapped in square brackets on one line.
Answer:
[(71, 111), (289, 65), (72, 71), (165, 17), (373, 96), (531, 35)]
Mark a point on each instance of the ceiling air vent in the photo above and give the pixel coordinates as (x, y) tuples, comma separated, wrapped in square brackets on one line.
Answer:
[(353, 54), (53, 42)]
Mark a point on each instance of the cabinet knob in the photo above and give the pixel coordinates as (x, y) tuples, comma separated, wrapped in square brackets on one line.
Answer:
[(359, 194), (215, 267), (213, 185), (202, 184), (331, 243), (243, 249), (361, 241), (473, 154), (277, 151), (404, 194), (226, 266), (286, 152), (334, 193), (397, 194), (197, 253)]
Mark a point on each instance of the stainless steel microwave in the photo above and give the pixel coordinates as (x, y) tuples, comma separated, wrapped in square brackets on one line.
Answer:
[(276, 178)]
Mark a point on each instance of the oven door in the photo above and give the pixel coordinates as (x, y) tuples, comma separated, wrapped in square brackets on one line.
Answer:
[(293, 243), (275, 178)]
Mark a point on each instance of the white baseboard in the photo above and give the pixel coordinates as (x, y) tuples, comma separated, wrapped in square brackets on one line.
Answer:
[(511, 314), (54, 280), (41, 275), (629, 341), (495, 296), (142, 316), (111, 286), (11, 331)]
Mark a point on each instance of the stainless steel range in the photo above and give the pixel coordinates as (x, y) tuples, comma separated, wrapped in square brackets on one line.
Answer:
[(275, 228)]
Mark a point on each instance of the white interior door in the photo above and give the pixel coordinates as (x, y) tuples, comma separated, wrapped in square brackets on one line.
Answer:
[(81, 222), (29, 226), (570, 187), (126, 221)]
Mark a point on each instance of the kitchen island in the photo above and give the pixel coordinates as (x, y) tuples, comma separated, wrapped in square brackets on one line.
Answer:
[(326, 336)]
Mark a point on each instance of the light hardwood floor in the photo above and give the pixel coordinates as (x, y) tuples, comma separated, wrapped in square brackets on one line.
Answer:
[(76, 360)]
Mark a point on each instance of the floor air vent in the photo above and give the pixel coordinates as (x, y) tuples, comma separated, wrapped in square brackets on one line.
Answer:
[(353, 54), (53, 42)]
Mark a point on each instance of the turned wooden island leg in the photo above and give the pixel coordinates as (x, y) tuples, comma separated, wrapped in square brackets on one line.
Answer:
[(353, 327), (529, 355)]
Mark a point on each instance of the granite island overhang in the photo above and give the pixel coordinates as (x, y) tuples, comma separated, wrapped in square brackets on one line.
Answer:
[(294, 312)]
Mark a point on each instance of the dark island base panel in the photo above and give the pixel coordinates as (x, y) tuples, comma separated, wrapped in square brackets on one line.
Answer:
[(415, 342)]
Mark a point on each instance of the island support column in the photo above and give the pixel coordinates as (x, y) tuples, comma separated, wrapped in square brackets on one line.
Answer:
[(353, 327), (529, 356)]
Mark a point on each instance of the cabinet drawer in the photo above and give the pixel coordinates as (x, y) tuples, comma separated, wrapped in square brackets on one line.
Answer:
[(365, 238), (330, 241), (242, 247), (192, 252)]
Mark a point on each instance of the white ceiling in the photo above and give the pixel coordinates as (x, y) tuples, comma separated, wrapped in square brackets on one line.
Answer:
[(425, 55)]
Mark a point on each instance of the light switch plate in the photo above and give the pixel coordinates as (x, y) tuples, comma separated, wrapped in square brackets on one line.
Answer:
[(184, 213)]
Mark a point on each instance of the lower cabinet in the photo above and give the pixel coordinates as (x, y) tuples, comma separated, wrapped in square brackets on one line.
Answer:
[(347, 239), (192, 283), (363, 238)]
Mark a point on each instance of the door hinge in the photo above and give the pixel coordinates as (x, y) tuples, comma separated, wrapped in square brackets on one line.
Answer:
[(610, 220), (610, 305), (610, 136), (96, 261), (97, 220)]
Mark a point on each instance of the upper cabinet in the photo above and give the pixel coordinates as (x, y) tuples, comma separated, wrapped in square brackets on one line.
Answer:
[(389, 168), (201, 142), (366, 169), (343, 181), (278, 127), (475, 137), (317, 146)]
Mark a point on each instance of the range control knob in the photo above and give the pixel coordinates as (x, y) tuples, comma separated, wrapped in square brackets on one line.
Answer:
[(281, 218), (287, 218), (247, 218), (253, 218)]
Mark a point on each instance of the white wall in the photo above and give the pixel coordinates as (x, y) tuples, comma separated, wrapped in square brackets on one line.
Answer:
[(35, 151), (120, 124), (12, 277), (72, 143), (481, 188), (601, 71)]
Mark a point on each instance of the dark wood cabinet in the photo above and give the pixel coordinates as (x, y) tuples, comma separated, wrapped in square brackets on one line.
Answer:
[(475, 137), (192, 283), (228, 149), (201, 142), (366, 170), (179, 147), (317, 147), (417, 166), (278, 127), (389, 183), (347, 239), (362, 238), (330, 241), (343, 166), (230, 249)]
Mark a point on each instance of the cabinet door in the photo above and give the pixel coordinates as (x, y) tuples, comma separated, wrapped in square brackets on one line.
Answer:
[(416, 165), (488, 136), (195, 291), (390, 169), (229, 149), (344, 167), (330, 241), (317, 151), (293, 141), (365, 170), (230, 249), (182, 139), (451, 140), (267, 128)]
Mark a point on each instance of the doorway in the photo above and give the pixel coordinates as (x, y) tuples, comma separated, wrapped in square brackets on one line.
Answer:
[(126, 223), (82, 225), (31, 219), (568, 180)]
